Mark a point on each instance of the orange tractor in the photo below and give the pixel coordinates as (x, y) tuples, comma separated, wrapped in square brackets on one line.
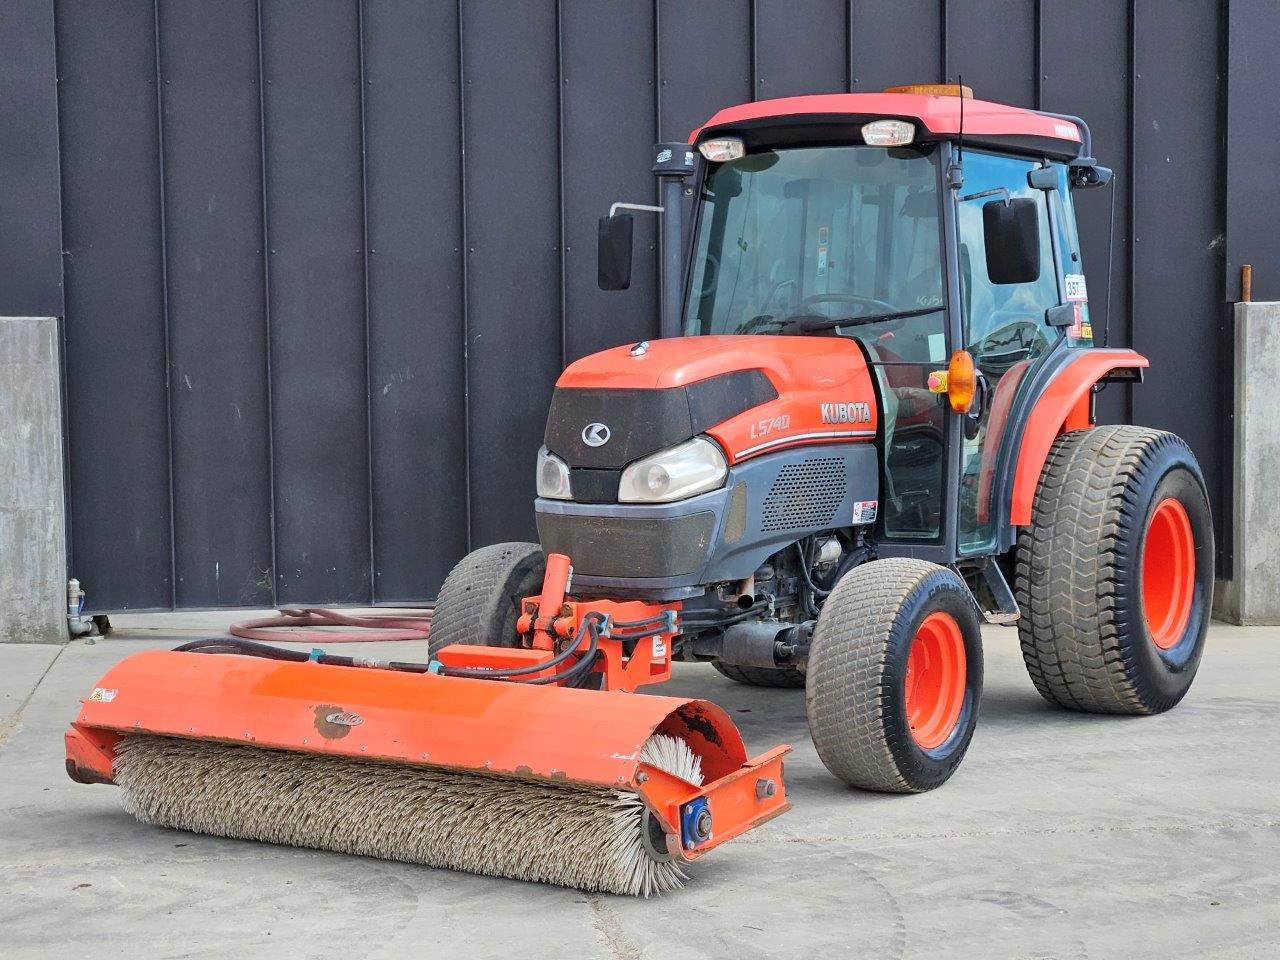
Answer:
[(868, 425)]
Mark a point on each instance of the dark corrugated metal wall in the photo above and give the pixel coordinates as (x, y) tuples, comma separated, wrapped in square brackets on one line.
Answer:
[(324, 258)]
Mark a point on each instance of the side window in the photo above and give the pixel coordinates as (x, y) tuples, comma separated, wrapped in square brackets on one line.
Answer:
[(1004, 323), (1005, 330)]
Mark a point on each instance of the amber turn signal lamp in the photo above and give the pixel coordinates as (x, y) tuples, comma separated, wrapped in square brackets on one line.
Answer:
[(961, 381), (934, 90)]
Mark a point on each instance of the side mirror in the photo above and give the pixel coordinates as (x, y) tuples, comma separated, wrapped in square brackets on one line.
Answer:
[(613, 265), (1011, 235), (1084, 177)]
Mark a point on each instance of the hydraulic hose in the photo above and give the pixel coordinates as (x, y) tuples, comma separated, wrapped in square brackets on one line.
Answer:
[(369, 628), (706, 620), (250, 648), (590, 627)]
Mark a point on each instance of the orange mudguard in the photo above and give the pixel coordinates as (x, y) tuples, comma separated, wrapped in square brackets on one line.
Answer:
[(554, 733), (1063, 406)]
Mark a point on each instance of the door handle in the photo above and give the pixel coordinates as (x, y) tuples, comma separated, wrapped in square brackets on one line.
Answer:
[(981, 404)]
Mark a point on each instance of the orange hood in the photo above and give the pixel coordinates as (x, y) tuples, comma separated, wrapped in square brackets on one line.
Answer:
[(824, 388)]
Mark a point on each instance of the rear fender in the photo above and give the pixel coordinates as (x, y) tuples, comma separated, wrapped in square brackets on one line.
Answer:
[(1062, 407)]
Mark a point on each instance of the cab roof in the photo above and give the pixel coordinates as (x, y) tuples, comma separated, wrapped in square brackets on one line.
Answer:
[(818, 116)]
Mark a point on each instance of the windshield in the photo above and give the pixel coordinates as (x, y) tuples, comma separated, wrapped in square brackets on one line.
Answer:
[(793, 237)]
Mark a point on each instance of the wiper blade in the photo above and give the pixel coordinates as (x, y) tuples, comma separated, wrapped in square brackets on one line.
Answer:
[(812, 325)]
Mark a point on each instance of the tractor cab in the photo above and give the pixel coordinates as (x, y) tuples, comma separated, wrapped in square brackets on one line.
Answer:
[(935, 230)]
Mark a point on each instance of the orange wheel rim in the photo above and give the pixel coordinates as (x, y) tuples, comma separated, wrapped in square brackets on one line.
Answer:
[(1168, 573), (935, 684)]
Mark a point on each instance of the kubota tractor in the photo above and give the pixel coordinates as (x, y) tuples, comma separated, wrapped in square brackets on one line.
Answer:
[(869, 424)]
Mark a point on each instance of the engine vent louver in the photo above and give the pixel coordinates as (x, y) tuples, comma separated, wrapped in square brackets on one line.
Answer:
[(805, 494)]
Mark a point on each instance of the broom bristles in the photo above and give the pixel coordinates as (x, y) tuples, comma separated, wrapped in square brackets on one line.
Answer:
[(500, 826)]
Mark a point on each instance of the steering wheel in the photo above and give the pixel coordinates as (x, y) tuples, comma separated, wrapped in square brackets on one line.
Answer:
[(878, 306)]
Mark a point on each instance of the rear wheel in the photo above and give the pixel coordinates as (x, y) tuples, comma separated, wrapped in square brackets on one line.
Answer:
[(480, 599), (761, 676), (1115, 572), (895, 676)]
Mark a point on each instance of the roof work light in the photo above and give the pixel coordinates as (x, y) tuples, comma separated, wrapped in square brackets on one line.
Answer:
[(888, 133), (723, 148)]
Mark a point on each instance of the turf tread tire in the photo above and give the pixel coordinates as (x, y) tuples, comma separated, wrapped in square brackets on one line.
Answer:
[(1081, 635), (853, 693), (478, 602), (784, 677)]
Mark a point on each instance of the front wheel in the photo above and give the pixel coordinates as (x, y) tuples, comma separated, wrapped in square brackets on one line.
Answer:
[(479, 602), (895, 676)]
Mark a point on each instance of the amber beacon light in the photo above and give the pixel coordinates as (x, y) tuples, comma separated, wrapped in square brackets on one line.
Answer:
[(961, 381)]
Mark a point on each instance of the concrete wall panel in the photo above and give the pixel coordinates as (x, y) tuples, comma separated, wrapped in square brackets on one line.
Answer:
[(33, 579)]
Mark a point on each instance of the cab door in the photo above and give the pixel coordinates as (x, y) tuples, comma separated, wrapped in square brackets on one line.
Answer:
[(1004, 328)]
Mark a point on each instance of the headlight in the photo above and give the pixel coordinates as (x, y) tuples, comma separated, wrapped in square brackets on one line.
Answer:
[(553, 476), (691, 468)]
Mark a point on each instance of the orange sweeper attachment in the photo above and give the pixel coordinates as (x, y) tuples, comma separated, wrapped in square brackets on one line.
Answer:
[(494, 760)]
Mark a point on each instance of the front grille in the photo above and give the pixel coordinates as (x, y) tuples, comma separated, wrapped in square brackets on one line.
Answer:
[(629, 546), (805, 494)]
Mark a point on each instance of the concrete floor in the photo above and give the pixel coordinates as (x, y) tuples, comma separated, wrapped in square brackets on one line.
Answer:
[(1062, 836)]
